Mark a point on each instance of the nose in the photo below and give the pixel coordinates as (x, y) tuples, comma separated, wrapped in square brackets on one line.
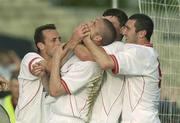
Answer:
[(58, 42)]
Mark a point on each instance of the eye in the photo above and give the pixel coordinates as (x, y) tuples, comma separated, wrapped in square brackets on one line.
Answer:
[(59, 39), (54, 39)]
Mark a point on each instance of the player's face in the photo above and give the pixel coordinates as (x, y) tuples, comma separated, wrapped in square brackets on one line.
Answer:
[(95, 26), (130, 33), (116, 24), (51, 40)]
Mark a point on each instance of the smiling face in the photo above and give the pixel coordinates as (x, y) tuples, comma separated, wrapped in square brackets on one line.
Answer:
[(130, 33)]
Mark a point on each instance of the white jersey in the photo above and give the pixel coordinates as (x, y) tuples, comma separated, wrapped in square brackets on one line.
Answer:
[(140, 65), (81, 80), (28, 109), (108, 106)]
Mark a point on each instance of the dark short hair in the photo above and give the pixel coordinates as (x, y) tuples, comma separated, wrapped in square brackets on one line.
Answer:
[(38, 35), (121, 15), (143, 22), (109, 34)]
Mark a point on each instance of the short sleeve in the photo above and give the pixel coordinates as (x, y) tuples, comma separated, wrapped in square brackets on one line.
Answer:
[(130, 62), (26, 65), (113, 48)]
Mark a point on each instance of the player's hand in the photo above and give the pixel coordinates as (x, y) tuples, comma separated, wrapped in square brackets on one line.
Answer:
[(60, 52), (80, 32), (38, 69), (87, 37), (3, 84), (78, 35)]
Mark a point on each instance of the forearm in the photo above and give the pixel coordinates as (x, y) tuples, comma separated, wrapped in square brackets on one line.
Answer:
[(83, 53), (55, 87), (45, 81), (68, 48), (99, 55)]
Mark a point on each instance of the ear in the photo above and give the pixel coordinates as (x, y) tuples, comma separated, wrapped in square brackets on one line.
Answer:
[(40, 45), (142, 34), (98, 39)]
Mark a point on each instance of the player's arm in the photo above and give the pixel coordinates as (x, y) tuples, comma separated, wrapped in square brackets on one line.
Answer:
[(102, 58), (55, 86), (42, 69), (75, 39), (74, 44), (39, 68), (83, 53)]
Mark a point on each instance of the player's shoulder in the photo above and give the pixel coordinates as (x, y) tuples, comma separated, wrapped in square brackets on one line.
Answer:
[(30, 56), (141, 50), (114, 44), (114, 47)]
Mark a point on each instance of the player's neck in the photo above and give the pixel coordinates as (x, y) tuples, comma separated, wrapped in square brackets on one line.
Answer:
[(143, 41), (45, 56)]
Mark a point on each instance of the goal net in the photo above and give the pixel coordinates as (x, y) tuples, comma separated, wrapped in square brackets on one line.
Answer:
[(166, 40)]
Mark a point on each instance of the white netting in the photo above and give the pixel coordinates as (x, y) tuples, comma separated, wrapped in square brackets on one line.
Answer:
[(166, 40)]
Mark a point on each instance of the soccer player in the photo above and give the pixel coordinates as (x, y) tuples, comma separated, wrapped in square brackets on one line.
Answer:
[(139, 63), (78, 84), (108, 105), (33, 100), (29, 107), (79, 81)]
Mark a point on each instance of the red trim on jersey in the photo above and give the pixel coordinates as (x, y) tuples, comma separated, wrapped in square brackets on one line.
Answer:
[(115, 69), (149, 44), (107, 113), (103, 104), (65, 86), (160, 74), (71, 105), (85, 104), (30, 63), (133, 108), (103, 49), (31, 98)]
